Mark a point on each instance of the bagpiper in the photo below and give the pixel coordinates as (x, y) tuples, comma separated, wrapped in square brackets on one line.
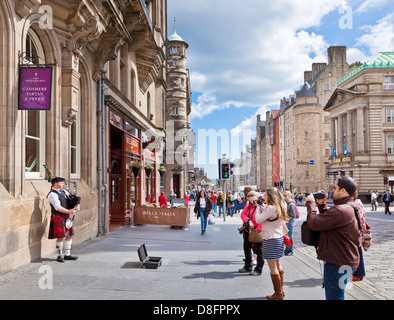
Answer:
[(61, 227)]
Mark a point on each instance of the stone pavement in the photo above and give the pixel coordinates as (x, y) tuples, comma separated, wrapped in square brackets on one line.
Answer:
[(378, 260), (194, 267)]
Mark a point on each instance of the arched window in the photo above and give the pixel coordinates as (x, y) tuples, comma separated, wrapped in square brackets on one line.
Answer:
[(75, 144), (34, 120)]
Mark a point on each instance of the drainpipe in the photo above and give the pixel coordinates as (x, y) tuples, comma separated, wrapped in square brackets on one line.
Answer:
[(104, 157), (99, 153), (101, 161)]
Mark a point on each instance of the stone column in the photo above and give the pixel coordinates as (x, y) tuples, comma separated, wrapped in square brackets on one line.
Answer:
[(340, 135), (360, 139), (349, 132)]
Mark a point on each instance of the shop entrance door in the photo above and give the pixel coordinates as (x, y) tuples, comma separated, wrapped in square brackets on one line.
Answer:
[(176, 180)]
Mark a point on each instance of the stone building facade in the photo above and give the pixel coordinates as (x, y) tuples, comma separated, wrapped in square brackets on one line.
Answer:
[(108, 95), (362, 117), (179, 152), (306, 126)]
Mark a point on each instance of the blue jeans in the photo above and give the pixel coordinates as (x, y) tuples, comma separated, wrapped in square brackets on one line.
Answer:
[(290, 225), (203, 220), (220, 209), (335, 280), (230, 211), (213, 208)]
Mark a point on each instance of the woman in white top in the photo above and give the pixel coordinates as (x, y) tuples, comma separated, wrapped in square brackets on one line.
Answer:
[(202, 208), (273, 218)]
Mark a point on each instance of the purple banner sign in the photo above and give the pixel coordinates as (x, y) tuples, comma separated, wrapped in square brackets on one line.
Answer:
[(35, 88)]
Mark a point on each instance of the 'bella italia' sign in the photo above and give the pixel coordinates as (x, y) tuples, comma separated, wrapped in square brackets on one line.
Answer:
[(35, 88)]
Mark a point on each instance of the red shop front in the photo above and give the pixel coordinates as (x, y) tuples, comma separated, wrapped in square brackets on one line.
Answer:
[(125, 186)]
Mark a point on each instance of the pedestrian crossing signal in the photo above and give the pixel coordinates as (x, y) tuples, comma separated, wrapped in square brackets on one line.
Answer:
[(225, 171)]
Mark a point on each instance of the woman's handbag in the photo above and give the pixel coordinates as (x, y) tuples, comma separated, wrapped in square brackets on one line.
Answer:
[(366, 237), (255, 235), (287, 241)]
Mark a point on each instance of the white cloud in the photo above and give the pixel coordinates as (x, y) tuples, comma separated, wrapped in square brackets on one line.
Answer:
[(246, 53), (370, 4), (378, 37), (249, 124), (207, 103)]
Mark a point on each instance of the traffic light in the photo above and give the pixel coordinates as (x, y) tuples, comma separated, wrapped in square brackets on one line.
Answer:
[(225, 171), (386, 180), (280, 183)]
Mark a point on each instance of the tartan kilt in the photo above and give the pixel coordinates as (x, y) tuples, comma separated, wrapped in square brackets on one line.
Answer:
[(57, 228)]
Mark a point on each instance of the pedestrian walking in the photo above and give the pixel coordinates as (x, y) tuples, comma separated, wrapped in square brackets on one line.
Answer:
[(201, 209), (162, 200), (59, 200), (273, 218), (292, 216), (214, 199), (248, 217), (387, 198), (187, 199), (220, 203), (230, 204), (359, 274), (339, 235), (374, 201)]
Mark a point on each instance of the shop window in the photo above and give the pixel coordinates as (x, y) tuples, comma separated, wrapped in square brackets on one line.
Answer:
[(34, 120)]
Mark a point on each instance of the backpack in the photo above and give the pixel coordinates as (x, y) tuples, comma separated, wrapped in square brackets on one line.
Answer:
[(297, 212)]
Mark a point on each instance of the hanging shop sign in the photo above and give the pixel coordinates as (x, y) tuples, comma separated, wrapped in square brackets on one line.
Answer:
[(35, 88), (132, 145)]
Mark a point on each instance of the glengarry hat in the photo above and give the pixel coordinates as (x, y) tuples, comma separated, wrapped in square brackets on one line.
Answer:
[(57, 179)]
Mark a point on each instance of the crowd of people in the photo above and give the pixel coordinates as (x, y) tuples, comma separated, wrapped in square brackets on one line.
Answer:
[(269, 219)]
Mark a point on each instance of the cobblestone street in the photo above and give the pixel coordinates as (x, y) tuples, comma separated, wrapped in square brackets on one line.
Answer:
[(379, 259)]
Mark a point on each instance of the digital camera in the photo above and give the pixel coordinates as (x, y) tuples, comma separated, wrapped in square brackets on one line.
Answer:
[(244, 228), (259, 201), (319, 195)]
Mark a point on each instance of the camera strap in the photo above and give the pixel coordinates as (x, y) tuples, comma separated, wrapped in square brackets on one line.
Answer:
[(250, 216)]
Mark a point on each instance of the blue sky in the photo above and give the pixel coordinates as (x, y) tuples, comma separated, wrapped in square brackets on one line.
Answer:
[(244, 56)]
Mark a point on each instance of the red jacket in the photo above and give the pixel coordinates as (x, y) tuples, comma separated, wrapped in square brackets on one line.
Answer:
[(162, 201), (245, 215)]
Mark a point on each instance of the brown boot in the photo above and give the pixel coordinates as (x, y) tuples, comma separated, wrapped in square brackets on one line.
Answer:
[(278, 295), (281, 272)]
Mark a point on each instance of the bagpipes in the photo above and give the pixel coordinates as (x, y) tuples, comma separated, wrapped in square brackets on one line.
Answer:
[(73, 199)]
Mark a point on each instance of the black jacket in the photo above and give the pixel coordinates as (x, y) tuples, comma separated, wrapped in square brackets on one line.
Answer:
[(207, 208)]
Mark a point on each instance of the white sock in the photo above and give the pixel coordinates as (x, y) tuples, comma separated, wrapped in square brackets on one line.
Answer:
[(59, 246), (67, 247)]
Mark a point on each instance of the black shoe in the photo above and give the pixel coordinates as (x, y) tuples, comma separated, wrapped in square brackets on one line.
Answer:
[(60, 259), (245, 270), (288, 253), (255, 273), (70, 257)]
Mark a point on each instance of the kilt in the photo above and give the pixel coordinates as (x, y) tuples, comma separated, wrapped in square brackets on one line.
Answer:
[(57, 227)]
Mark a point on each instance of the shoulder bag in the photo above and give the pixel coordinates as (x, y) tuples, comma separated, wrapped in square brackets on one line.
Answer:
[(255, 235)]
